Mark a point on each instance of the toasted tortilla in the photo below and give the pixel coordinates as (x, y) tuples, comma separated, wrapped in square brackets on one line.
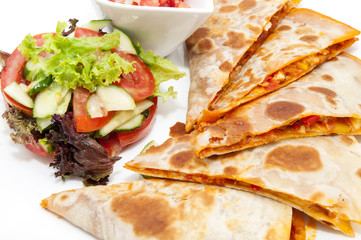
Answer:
[(302, 40), (172, 210), (225, 41), (320, 176), (325, 101)]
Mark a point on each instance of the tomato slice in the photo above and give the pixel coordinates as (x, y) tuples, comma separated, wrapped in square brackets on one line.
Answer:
[(82, 119), (126, 138), (84, 32), (140, 83)]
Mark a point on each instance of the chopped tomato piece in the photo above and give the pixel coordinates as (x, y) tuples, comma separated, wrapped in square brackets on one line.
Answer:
[(308, 121), (255, 188)]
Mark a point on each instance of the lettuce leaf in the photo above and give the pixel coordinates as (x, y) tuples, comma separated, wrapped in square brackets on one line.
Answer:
[(162, 70), (78, 62)]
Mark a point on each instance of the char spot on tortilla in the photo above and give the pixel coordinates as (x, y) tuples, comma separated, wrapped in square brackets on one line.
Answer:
[(177, 129), (228, 9), (150, 216), (347, 140), (236, 126), (327, 77), (226, 66), (205, 44), (271, 234), (201, 32), (309, 38), (161, 148), (358, 172), (254, 28), (247, 4), (230, 170), (317, 196), (284, 28), (182, 159), (294, 159), (328, 93), (207, 198), (235, 40), (64, 197), (283, 110)]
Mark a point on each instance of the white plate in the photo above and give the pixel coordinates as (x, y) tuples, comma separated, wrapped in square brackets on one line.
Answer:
[(26, 178)]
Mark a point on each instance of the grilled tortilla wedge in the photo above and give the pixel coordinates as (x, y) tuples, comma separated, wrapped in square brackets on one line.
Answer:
[(320, 176), (302, 40), (172, 210), (223, 44), (325, 101)]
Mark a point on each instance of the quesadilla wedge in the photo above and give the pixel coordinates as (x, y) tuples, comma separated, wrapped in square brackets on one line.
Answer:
[(302, 40), (225, 42), (320, 176), (172, 210), (325, 101)]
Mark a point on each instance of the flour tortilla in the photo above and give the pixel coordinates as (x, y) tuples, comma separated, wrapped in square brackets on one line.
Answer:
[(331, 92), (320, 176), (172, 210), (227, 39), (302, 40)]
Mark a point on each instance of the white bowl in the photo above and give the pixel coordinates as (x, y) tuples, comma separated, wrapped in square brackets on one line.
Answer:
[(160, 29)]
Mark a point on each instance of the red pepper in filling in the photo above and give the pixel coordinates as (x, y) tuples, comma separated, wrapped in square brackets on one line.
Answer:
[(308, 121), (255, 188)]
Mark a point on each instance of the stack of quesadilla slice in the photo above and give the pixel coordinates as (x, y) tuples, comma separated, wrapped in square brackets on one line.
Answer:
[(323, 102), (320, 176), (303, 40), (281, 126), (224, 43)]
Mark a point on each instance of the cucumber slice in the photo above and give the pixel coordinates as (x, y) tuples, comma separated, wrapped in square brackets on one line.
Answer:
[(18, 93), (115, 98), (47, 146), (146, 147), (39, 84), (126, 44), (47, 101), (34, 71), (43, 123), (122, 117), (132, 124), (98, 24), (95, 107), (61, 109)]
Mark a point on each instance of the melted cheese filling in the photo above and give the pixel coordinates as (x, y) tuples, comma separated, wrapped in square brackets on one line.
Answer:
[(295, 70)]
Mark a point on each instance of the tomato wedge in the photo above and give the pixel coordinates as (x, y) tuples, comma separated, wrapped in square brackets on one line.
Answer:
[(140, 83)]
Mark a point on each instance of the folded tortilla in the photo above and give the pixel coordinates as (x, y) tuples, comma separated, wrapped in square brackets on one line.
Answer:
[(302, 40), (226, 40), (325, 101), (320, 176), (172, 210)]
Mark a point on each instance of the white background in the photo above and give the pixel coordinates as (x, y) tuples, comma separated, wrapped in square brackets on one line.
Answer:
[(27, 178)]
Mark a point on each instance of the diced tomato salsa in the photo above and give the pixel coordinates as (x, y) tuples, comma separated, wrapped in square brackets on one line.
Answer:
[(154, 3)]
